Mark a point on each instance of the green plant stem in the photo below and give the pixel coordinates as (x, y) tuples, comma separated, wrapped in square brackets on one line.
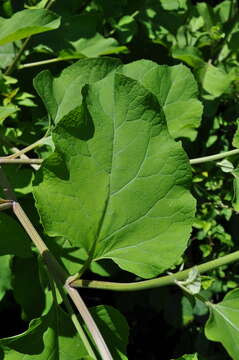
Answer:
[(24, 159), (154, 283), (96, 335), (60, 276), (77, 324), (213, 157), (12, 66), (6, 160), (43, 62), (11, 158), (73, 316), (18, 153)]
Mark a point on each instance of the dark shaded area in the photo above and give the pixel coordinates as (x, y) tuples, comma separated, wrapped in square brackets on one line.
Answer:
[(10, 313)]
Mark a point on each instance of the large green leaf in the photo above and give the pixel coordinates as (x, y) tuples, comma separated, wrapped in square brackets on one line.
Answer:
[(61, 95), (176, 91), (26, 23), (223, 323), (53, 336), (122, 190)]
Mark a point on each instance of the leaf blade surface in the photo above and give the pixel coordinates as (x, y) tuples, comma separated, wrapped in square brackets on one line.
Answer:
[(124, 190)]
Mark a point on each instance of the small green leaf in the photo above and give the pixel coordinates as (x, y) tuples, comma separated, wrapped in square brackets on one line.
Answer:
[(126, 28), (206, 281), (207, 13), (193, 283), (6, 111), (214, 80), (173, 4), (26, 23), (226, 166), (223, 323)]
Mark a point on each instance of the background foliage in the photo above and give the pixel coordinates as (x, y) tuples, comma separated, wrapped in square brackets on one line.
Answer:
[(200, 41)]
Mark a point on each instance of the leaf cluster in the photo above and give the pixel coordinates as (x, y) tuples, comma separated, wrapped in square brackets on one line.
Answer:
[(116, 97)]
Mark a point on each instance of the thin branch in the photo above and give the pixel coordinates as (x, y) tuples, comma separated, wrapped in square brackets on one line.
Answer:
[(12, 66), (60, 275), (18, 153), (99, 341), (44, 62), (6, 205), (4, 160), (11, 158), (154, 283), (71, 313), (77, 324), (21, 153), (214, 157)]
